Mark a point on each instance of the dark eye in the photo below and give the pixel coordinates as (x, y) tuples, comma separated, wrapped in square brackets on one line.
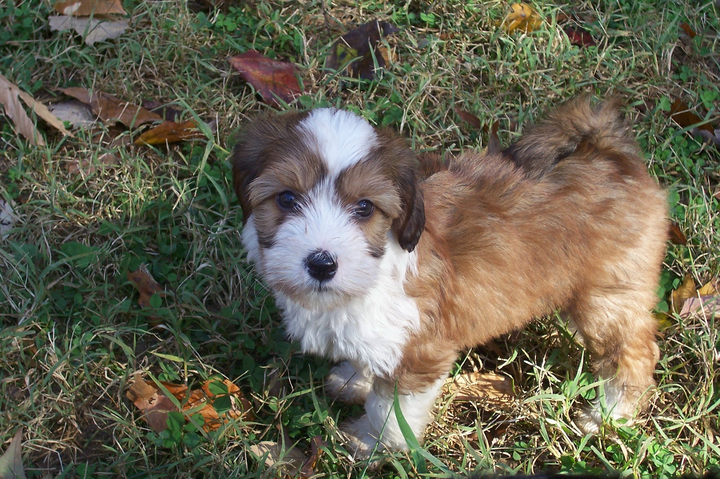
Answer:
[(364, 209), (287, 201)]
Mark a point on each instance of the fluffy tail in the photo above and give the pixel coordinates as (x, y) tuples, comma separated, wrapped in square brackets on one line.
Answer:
[(576, 125)]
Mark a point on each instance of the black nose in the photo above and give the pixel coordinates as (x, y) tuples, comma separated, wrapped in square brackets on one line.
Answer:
[(321, 265)]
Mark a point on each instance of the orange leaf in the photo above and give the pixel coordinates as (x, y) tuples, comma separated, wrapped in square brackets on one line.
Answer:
[(688, 30), (170, 132), (110, 108), (272, 78), (522, 17), (154, 404), (145, 284), (86, 8)]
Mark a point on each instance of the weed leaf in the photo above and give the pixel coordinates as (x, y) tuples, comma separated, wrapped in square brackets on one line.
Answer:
[(358, 50), (272, 78), (11, 466)]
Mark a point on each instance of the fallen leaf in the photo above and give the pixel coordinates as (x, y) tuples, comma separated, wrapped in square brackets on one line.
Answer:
[(11, 466), (75, 112), (91, 29), (684, 292), (205, 399), (522, 17), (680, 113), (7, 218), (86, 8), (316, 445), (355, 50), (711, 288), (676, 234), (274, 455), (110, 108), (145, 284), (688, 30), (476, 386), (167, 113), (707, 305), (579, 36), (87, 166), (154, 404), (170, 132), (468, 117), (272, 78), (9, 94)]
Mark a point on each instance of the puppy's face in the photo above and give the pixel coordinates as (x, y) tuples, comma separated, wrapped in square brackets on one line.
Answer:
[(323, 194)]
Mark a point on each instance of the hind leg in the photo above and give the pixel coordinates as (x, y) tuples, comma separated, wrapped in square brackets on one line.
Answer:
[(620, 333)]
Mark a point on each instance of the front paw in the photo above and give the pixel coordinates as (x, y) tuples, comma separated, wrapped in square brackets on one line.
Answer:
[(361, 441), (348, 384)]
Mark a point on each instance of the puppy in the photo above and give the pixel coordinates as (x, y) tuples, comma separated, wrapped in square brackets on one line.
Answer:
[(392, 274)]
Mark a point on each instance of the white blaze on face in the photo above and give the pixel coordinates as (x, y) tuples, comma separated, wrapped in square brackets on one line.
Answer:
[(342, 138)]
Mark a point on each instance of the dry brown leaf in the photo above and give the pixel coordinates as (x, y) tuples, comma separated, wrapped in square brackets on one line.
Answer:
[(711, 288), (154, 403), (9, 94), (706, 305), (272, 78), (676, 234), (170, 132), (682, 115), (204, 398), (290, 460), (316, 445), (11, 466), (91, 29), (685, 291), (523, 18), (468, 117), (145, 284), (110, 108), (75, 112), (476, 386), (85, 8)]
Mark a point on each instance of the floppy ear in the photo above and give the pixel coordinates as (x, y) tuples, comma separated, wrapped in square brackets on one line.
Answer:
[(410, 224), (408, 227), (255, 142)]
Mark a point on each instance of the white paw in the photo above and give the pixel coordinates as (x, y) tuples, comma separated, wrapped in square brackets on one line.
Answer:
[(360, 438), (348, 384)]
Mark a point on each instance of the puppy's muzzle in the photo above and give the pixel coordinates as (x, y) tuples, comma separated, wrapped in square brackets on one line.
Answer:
[(321, 265)]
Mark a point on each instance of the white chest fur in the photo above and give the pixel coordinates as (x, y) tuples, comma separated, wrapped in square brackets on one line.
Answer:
[(370, 331)]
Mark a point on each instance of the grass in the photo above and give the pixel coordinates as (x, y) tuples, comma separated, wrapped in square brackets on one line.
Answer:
[(72, 333)]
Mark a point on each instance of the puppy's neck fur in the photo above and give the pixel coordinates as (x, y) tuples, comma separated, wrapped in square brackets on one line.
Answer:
[(371, 330)]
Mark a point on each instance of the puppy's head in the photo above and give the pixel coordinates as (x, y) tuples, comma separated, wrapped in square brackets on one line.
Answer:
[(325, 197)]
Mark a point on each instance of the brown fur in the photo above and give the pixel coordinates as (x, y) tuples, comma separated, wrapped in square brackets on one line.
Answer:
[(574, 222)]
